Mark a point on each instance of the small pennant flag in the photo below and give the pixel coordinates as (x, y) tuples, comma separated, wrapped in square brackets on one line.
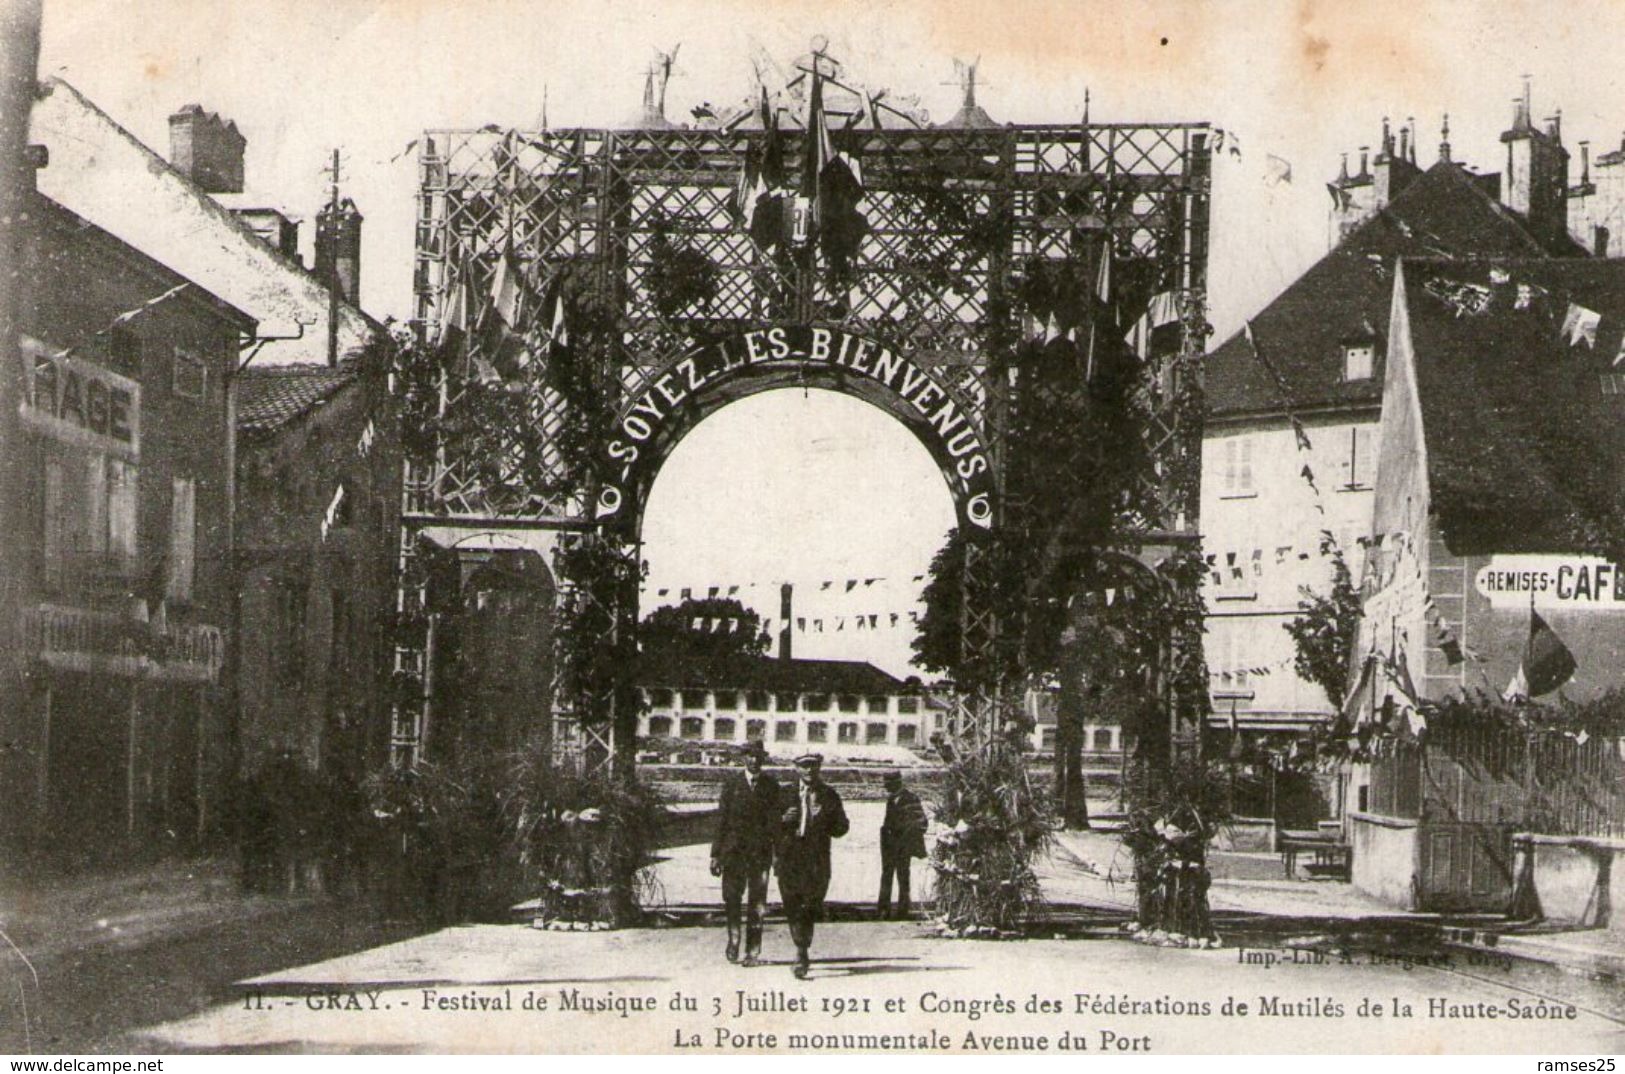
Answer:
[(560, 331), (330, 517), (129, 315), (1580, 324), (1301, 435), (1518, 688)]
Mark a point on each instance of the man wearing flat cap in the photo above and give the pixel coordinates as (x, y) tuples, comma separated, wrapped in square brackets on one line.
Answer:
[(742, 852), (902, 839), (814, 817)]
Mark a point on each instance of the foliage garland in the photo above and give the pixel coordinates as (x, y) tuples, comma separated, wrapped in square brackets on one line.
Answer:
[(991, 828), (493, 408), (1077, 471)]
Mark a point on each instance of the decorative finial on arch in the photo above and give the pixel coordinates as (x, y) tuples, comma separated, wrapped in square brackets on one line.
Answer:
[(970, 113)]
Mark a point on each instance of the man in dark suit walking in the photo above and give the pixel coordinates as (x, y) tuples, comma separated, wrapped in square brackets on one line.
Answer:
[(742, 852), (814, 817), (902, 839)]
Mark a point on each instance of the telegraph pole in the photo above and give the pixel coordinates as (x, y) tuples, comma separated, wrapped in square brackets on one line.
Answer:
[(19, 86)]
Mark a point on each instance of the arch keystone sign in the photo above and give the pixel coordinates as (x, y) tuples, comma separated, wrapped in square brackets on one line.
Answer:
[(677, 397)]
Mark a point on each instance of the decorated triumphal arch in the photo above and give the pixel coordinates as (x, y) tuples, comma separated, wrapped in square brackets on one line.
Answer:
[(585, 297)]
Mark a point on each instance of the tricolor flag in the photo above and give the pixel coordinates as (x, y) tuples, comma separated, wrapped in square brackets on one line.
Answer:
[(832, 180), (1100, 301), (1547, 662), (502, 349), (452, 337), (758, 197)]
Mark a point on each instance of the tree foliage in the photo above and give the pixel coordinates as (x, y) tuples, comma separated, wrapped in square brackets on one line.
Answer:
[(1075, 471), (1325, 628), (1094, 436), (668, 635)]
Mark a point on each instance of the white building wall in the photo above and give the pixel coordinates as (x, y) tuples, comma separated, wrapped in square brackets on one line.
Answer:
[(1262, 522)]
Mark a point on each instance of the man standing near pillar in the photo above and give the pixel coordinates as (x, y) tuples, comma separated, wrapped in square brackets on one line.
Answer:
[(902, 839), (742, 852), (812, 820)]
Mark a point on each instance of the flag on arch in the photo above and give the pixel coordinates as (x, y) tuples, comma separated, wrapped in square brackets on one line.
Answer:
[(833, 180)]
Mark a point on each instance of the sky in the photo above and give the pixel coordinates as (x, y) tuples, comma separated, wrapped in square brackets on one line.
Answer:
[(860, 509), (1300, 81)]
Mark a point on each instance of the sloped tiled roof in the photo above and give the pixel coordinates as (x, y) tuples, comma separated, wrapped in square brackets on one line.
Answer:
[(269, 398), (769, 673), (108, 176), (1525, 452), (1347, 293)]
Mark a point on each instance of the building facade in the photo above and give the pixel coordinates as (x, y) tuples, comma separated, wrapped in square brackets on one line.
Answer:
[(157, 281), (1500, 497), (1103, 739), (1291, 446), (790, 705), (318, 468), (124, 737)]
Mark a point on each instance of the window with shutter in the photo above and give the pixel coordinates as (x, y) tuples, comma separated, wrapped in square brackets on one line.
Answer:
[(182, 539), (1238, 467), (122, 480)]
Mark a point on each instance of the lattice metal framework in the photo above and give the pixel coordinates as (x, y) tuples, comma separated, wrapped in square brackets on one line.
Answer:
[(953, 217)]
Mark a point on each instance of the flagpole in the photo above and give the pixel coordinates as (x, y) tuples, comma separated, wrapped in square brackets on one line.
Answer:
[(1529, 647)]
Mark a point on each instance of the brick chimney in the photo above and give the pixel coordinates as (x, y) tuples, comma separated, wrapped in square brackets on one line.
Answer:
[(338, 246), (1356, 198), (1535, 181), (207, 149), (1393, 169), (1353, 196)]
